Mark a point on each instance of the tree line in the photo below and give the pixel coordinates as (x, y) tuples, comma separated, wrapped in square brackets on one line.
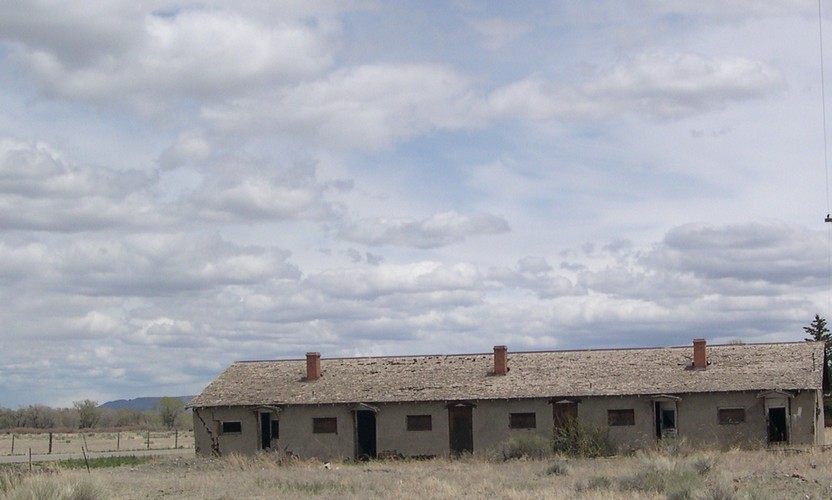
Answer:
[(87, 415)]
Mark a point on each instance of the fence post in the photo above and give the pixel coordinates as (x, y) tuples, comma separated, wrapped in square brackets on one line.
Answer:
[(50, 443), (176, 439), (148, 440), (118, 440), (12, 444), (86, 461)]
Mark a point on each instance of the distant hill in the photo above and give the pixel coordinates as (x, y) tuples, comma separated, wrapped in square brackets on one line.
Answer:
[(141, 404)]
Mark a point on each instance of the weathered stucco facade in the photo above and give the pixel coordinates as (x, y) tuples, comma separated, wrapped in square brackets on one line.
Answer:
[(718, 396)]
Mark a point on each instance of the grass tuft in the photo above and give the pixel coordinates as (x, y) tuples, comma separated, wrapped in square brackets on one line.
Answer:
[(557, 468), (527, 445), (9, 479), (594, 483), (43, 487)]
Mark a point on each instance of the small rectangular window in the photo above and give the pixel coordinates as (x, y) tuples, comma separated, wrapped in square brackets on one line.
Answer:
[(232, 427), (419, 423), (621, 417), (327, 425), (275, 429), (729, 416), (522, 420)]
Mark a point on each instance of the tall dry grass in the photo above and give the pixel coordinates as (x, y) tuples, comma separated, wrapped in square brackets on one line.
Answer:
[(652, 474)]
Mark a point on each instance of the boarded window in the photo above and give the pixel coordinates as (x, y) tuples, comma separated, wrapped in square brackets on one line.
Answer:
[(522, 420), (327, 425), (419, 423), (275, 429), (731, 415), (621, 417), (232, 427)]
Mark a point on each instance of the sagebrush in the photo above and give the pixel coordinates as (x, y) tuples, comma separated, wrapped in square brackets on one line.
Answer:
[(577, 439), (528, 445)]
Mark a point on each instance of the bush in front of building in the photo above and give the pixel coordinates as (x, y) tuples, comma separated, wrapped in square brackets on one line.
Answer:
[(679, 477), (527, 445), (580, 440)]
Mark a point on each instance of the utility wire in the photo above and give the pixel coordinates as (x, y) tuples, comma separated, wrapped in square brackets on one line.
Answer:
[(823, 100), (825, 164)]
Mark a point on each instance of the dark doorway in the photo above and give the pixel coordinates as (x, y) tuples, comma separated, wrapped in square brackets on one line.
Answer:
[(777, 429), (665, 419), (461, 424), (365, 435), (564, 413), (265, 431)]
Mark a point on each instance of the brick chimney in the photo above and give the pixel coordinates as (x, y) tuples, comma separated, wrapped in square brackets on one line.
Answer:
[(500, 360), (313, 365), (700, 357)]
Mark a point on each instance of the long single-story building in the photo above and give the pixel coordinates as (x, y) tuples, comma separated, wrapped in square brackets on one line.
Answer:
[(724, 395)]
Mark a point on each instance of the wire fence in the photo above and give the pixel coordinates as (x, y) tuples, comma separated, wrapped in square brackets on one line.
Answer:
[(56, 443)]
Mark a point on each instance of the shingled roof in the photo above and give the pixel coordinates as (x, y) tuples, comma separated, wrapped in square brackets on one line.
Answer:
[(556, 374)]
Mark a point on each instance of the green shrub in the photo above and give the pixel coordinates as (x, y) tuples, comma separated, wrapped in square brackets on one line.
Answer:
[(580, 440), (675, 483), (103, 462), (526, 445), (677, 479)]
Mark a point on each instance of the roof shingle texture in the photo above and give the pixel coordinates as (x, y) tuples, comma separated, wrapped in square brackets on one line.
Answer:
[(748, 367)]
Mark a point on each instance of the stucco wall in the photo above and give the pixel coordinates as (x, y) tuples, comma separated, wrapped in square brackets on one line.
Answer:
[(699, 423), (696, 421), (699, 420), (394, 437), (490, 425), (807, 418), (297, 436), (491, 421), (208, 430), (593, 412)]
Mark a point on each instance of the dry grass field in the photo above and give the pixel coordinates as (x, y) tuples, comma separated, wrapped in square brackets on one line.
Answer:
[(714, 475), (93, 441)]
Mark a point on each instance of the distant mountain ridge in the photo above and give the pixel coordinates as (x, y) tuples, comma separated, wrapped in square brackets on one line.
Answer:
[(141, 404)]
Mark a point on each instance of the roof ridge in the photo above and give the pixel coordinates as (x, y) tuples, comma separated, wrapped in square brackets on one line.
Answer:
[(549, 351)]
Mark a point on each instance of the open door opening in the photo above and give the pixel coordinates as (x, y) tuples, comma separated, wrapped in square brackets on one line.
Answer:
[(664, 413), (265, 431), (777, 416), (461, 429), (365, 435), (778, 431)]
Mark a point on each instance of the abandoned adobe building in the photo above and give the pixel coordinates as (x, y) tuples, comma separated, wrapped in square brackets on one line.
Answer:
[(725, 395)]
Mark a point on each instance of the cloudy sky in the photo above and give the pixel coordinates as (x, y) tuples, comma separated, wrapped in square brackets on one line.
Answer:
[(186, 184)]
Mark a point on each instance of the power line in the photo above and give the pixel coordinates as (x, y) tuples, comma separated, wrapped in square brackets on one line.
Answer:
[(825, 164)]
